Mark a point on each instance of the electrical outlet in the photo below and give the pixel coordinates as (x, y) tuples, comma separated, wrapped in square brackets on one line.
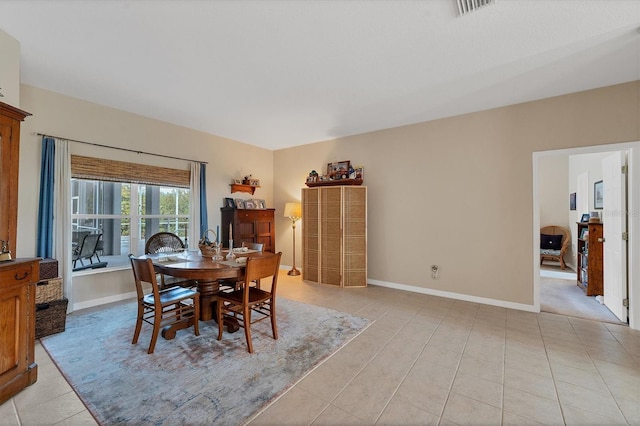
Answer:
[(434, 271)]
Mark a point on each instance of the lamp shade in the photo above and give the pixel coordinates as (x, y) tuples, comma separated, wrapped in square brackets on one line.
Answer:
[(293, 210)]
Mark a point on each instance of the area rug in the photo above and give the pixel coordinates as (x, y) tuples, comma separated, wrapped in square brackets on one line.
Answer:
[(192, 379)]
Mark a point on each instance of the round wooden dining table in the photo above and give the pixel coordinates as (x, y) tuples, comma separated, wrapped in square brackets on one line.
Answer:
[(206, 272)]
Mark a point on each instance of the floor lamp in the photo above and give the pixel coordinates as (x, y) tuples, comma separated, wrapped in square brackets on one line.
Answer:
[(294, 212)]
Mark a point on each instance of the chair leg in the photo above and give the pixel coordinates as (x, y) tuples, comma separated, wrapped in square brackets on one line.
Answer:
[(219, 317), (136, 333), (274, 326), (196, 313), (247, 327), (157, 319)]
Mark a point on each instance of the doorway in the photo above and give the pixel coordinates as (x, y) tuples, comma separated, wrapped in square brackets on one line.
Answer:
[(546, 276)]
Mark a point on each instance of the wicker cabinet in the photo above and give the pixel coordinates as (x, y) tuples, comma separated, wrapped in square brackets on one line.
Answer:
[(18, 369), (249, 226), (590, 258), (334, 235)]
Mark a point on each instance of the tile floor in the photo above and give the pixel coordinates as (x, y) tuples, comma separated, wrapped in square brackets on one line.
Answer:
[(427, 360)]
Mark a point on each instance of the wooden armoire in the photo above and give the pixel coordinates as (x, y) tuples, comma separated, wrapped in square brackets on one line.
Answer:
[(18, 277), (334, 235), (249, 226)]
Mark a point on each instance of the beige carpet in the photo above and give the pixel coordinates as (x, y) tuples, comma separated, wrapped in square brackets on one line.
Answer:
[(563, 296)]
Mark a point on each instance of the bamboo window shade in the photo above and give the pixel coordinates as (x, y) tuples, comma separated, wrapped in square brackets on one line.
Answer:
[(120, 171)]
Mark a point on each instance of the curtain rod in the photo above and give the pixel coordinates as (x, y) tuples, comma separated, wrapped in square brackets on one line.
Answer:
[(121, 149)]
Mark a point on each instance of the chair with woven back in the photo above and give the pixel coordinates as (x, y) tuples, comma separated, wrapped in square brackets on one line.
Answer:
[(242, 303), (167, 242), (554, 243), (161, 307)]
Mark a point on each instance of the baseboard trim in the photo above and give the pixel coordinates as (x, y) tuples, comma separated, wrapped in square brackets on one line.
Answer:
[(456, 296)]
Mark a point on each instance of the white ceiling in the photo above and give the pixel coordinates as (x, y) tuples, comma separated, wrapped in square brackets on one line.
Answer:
[(284, 73)]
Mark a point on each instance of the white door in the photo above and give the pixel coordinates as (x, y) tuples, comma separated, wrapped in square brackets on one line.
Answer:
[(614, 224)]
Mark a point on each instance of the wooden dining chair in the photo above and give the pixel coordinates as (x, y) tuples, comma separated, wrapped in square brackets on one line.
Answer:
[(241, 303), (161, 307)]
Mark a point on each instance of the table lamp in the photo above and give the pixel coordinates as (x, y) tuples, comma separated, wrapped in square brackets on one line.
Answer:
[(294, 212)]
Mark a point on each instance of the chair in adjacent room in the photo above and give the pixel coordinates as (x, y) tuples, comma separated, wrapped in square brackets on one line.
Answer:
[(554, 243), (161, 307), (247, 300), (167, 242)]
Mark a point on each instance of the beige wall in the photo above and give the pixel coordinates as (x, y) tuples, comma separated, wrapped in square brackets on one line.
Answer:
[(457, 192), (72, 118), (9, 70)]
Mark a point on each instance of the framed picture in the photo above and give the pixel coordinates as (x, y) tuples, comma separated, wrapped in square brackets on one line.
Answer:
[(572, 201), (260, 204), (585, 217), (583, 233), (228, 202), (254, 182), (598, 195), (249, 204), (239, 203), (339, 170), (237, 181), (359, 172)]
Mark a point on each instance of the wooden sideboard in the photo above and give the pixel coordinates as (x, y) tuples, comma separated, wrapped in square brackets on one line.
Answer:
[(10, 119), (249, 226), (18, 369), (18, 277)]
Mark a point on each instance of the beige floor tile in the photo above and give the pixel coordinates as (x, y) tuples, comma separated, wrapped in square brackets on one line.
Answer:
[(425, 395), (42, 391), (83, 418), (479, 389), (581, 361), (586, 399), (510, 419), (8, 414), (533, 365), (440, 355), (296, 407), (400, 412), (531, 383), (630, 410), (485, 368), (366, 396), (532, 407), (578, 377), (577, 417), (51, 411), (334, 416), (466, 411)]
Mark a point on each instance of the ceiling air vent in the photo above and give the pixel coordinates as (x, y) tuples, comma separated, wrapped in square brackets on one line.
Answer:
[(466, 6)]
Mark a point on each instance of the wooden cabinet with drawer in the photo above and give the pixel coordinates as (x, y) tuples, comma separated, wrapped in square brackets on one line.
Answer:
[(249, 226), (18, 369)]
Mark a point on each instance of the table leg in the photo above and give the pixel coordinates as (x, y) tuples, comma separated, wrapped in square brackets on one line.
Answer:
[(208, 302)]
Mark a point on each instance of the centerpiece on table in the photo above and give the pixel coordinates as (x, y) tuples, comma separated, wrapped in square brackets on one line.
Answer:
[(210, 248)]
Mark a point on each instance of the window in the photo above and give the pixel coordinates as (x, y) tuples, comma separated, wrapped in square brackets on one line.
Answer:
[(126, 214)]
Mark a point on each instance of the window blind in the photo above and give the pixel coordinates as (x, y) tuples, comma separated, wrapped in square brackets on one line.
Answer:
[(120, 171)]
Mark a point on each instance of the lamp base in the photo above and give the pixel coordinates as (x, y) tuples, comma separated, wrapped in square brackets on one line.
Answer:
[(293, 271)]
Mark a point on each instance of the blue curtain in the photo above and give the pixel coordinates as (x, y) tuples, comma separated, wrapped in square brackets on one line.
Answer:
[(204, 220), (45, 206)]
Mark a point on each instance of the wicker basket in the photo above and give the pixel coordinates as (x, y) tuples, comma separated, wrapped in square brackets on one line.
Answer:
[(48, 268), (48, 290), (207, 249), (51, 317)]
